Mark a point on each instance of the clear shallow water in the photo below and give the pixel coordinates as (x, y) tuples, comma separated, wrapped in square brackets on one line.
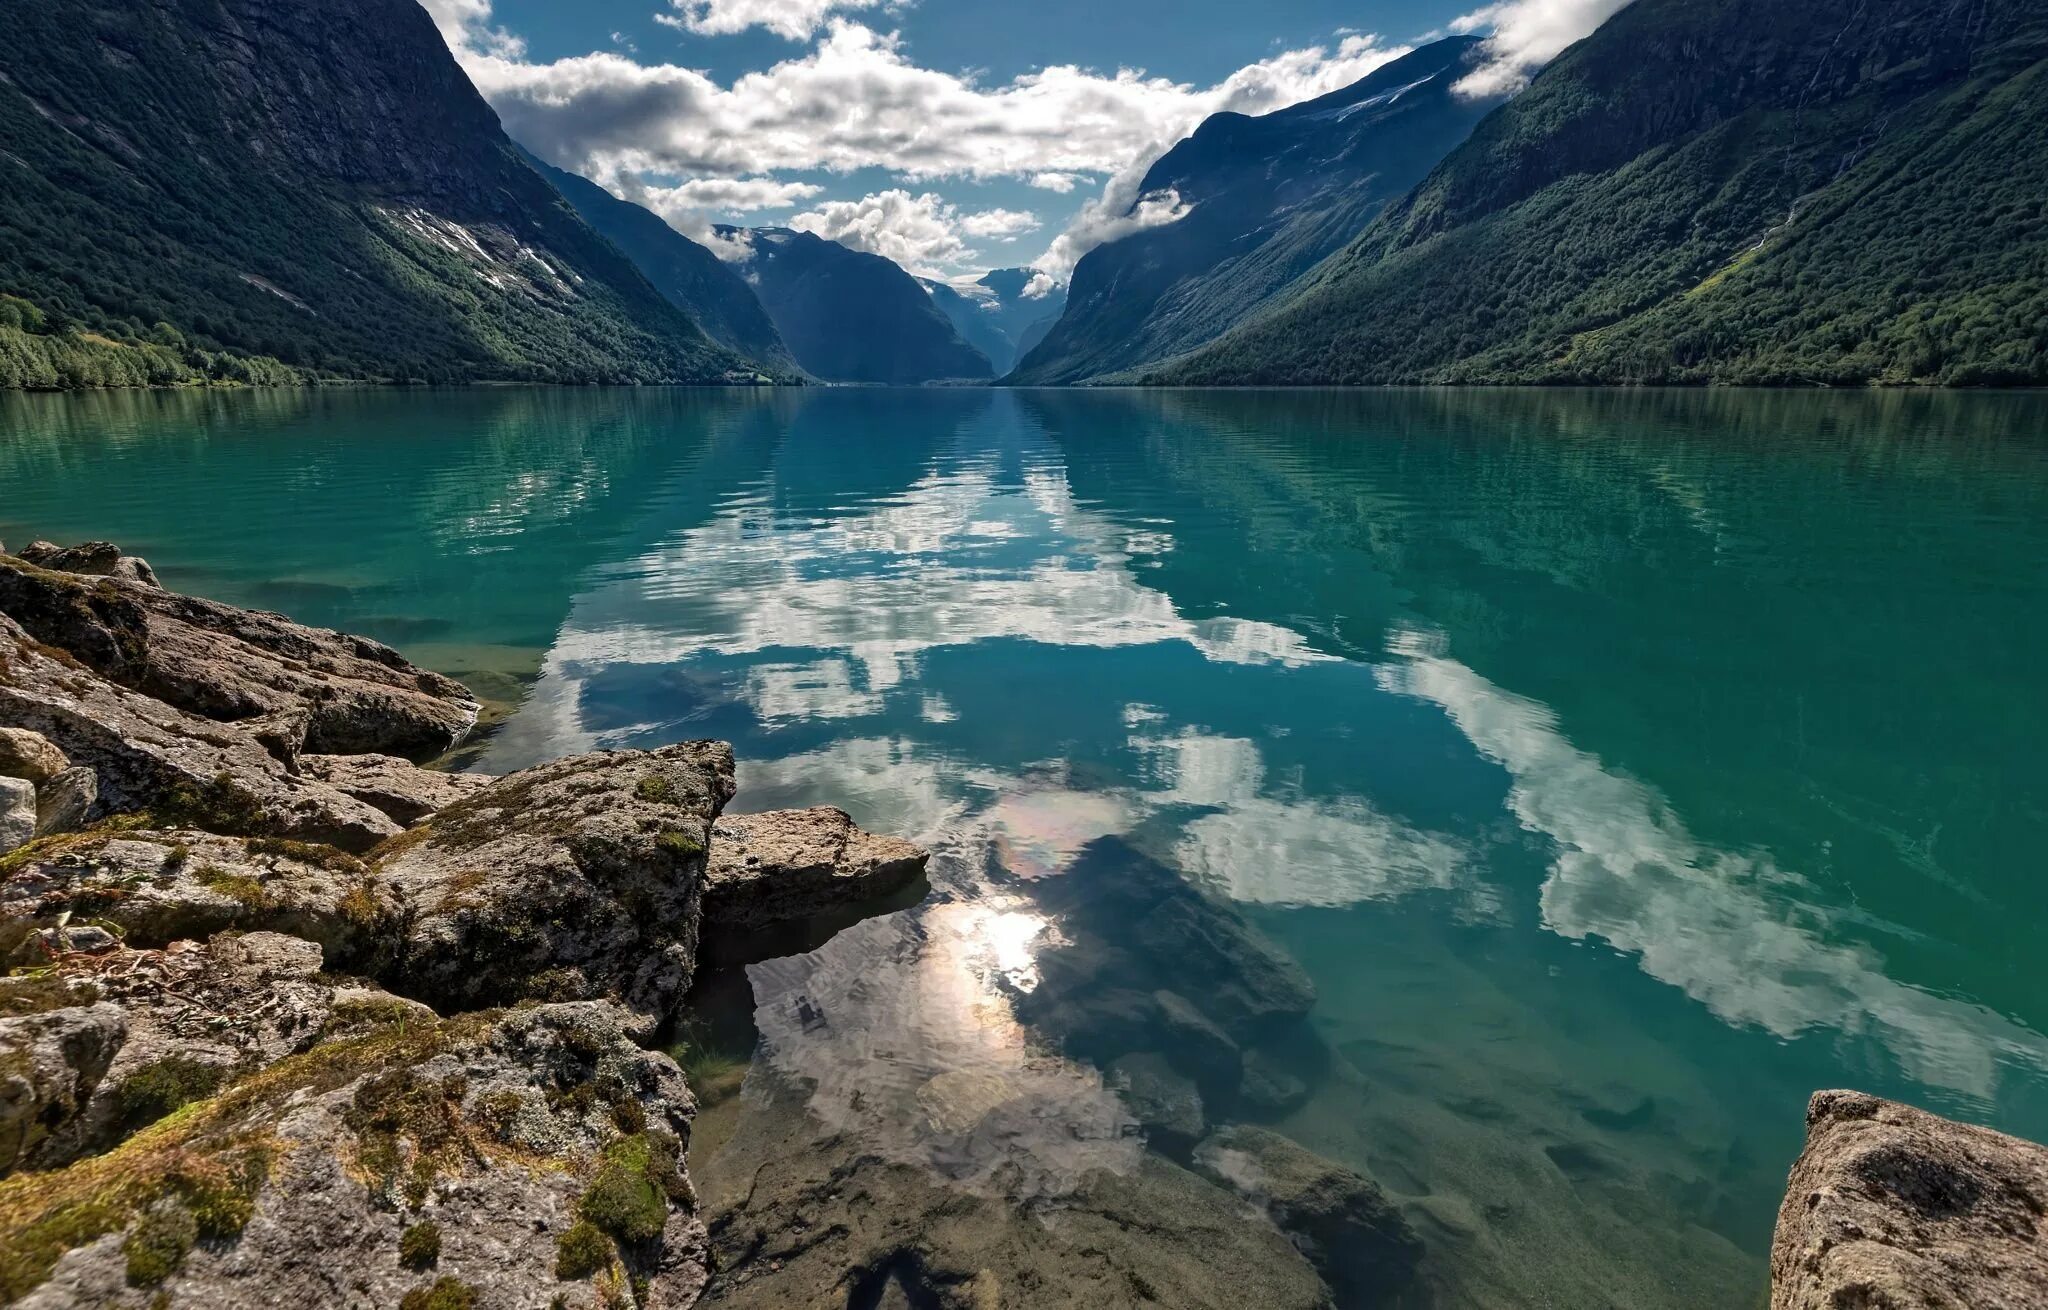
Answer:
[(1620, 767)]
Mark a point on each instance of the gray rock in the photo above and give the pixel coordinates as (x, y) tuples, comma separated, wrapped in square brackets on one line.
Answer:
[(1166, 1103), (1197, 1044), (398, 787), (51, 1060), (25, 754), (158, 887), (150, 756), (494, 1128), (795, 864), (17, 813), (64, 802), (1267, 1089), (577, 879), (1341, 1220), (800, 1220), (229, 664), (1889, 1206)]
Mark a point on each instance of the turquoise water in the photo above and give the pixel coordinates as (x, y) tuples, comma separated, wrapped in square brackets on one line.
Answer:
[(1621, 767)]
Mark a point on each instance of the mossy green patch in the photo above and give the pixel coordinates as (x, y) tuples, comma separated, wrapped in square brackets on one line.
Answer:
[(171, 1083), (157, 1245), (41, 993), (305, 852), (420, 1245), (656, 787), (679, 843), (636, 1179), (219, 805), (581, 1251)]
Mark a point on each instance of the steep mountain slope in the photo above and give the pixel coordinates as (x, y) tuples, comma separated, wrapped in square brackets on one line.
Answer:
[(695, 280), (993, 314), (1841, 191), (1268, 198), (320, 184), (849, 316)]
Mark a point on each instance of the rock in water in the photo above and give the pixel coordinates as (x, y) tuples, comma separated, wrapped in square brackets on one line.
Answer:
[(1166, 1103), (794, 864), (17, 813), (25, 754), (1345, 1225), (230, 664), (1896, 1208), (577, 879)]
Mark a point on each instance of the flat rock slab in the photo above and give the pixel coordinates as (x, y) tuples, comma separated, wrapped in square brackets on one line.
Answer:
[(1894, 1208), (396, 786), (788, 865)]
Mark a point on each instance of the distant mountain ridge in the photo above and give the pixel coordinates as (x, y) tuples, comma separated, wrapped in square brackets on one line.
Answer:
[(1268, 198), (851, 316), (319, 184), (993, 314), (1732, 191), (693, 278)]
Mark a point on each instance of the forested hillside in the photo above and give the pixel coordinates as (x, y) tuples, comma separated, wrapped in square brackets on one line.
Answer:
[(1736, 191), (188, 185), (1267, 199)]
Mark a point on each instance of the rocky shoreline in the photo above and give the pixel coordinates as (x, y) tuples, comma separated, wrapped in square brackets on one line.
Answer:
[(288, 1017)]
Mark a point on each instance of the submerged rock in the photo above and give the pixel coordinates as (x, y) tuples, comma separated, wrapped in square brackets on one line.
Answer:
[(1168, 1105), (794, 864), (1893, 1207), (577, 879), (1341, 1219), (396, 786), (234, 665)]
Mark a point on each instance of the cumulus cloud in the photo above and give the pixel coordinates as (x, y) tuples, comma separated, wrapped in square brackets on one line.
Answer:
[(1525, 35), (855, 100), (923, 233), (791, 19), (1119, 211)]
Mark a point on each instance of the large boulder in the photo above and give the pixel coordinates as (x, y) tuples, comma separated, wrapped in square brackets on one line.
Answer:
[(29, 755), (235, 665), (577, 879), (1340, 1219), (1893, 1207), (147, 756), (65, 802), (102, 559), (510, 1159), (790, 865)]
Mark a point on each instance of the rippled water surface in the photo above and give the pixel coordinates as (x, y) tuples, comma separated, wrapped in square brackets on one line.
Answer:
[(1619, 768)]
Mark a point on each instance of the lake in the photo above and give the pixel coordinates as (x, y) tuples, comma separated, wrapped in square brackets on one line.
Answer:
[(1620, 767)]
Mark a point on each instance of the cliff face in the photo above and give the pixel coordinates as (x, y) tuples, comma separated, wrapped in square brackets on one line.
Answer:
[(318, 184)]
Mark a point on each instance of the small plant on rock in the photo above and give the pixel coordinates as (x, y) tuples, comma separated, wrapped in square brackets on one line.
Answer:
[(420, 1245)]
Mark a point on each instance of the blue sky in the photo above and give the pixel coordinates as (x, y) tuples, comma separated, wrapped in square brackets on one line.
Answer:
[(950, 135)]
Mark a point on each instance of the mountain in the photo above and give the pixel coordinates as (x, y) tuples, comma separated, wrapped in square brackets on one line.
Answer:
[(1267, 199), (1734, 191), (993, 314), (695, 280), (849, 316), (202, 184)]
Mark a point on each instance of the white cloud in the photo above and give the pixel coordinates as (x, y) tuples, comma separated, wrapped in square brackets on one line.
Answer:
[(791, 19), (1526, 34), (855, 100), (923, 233)]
